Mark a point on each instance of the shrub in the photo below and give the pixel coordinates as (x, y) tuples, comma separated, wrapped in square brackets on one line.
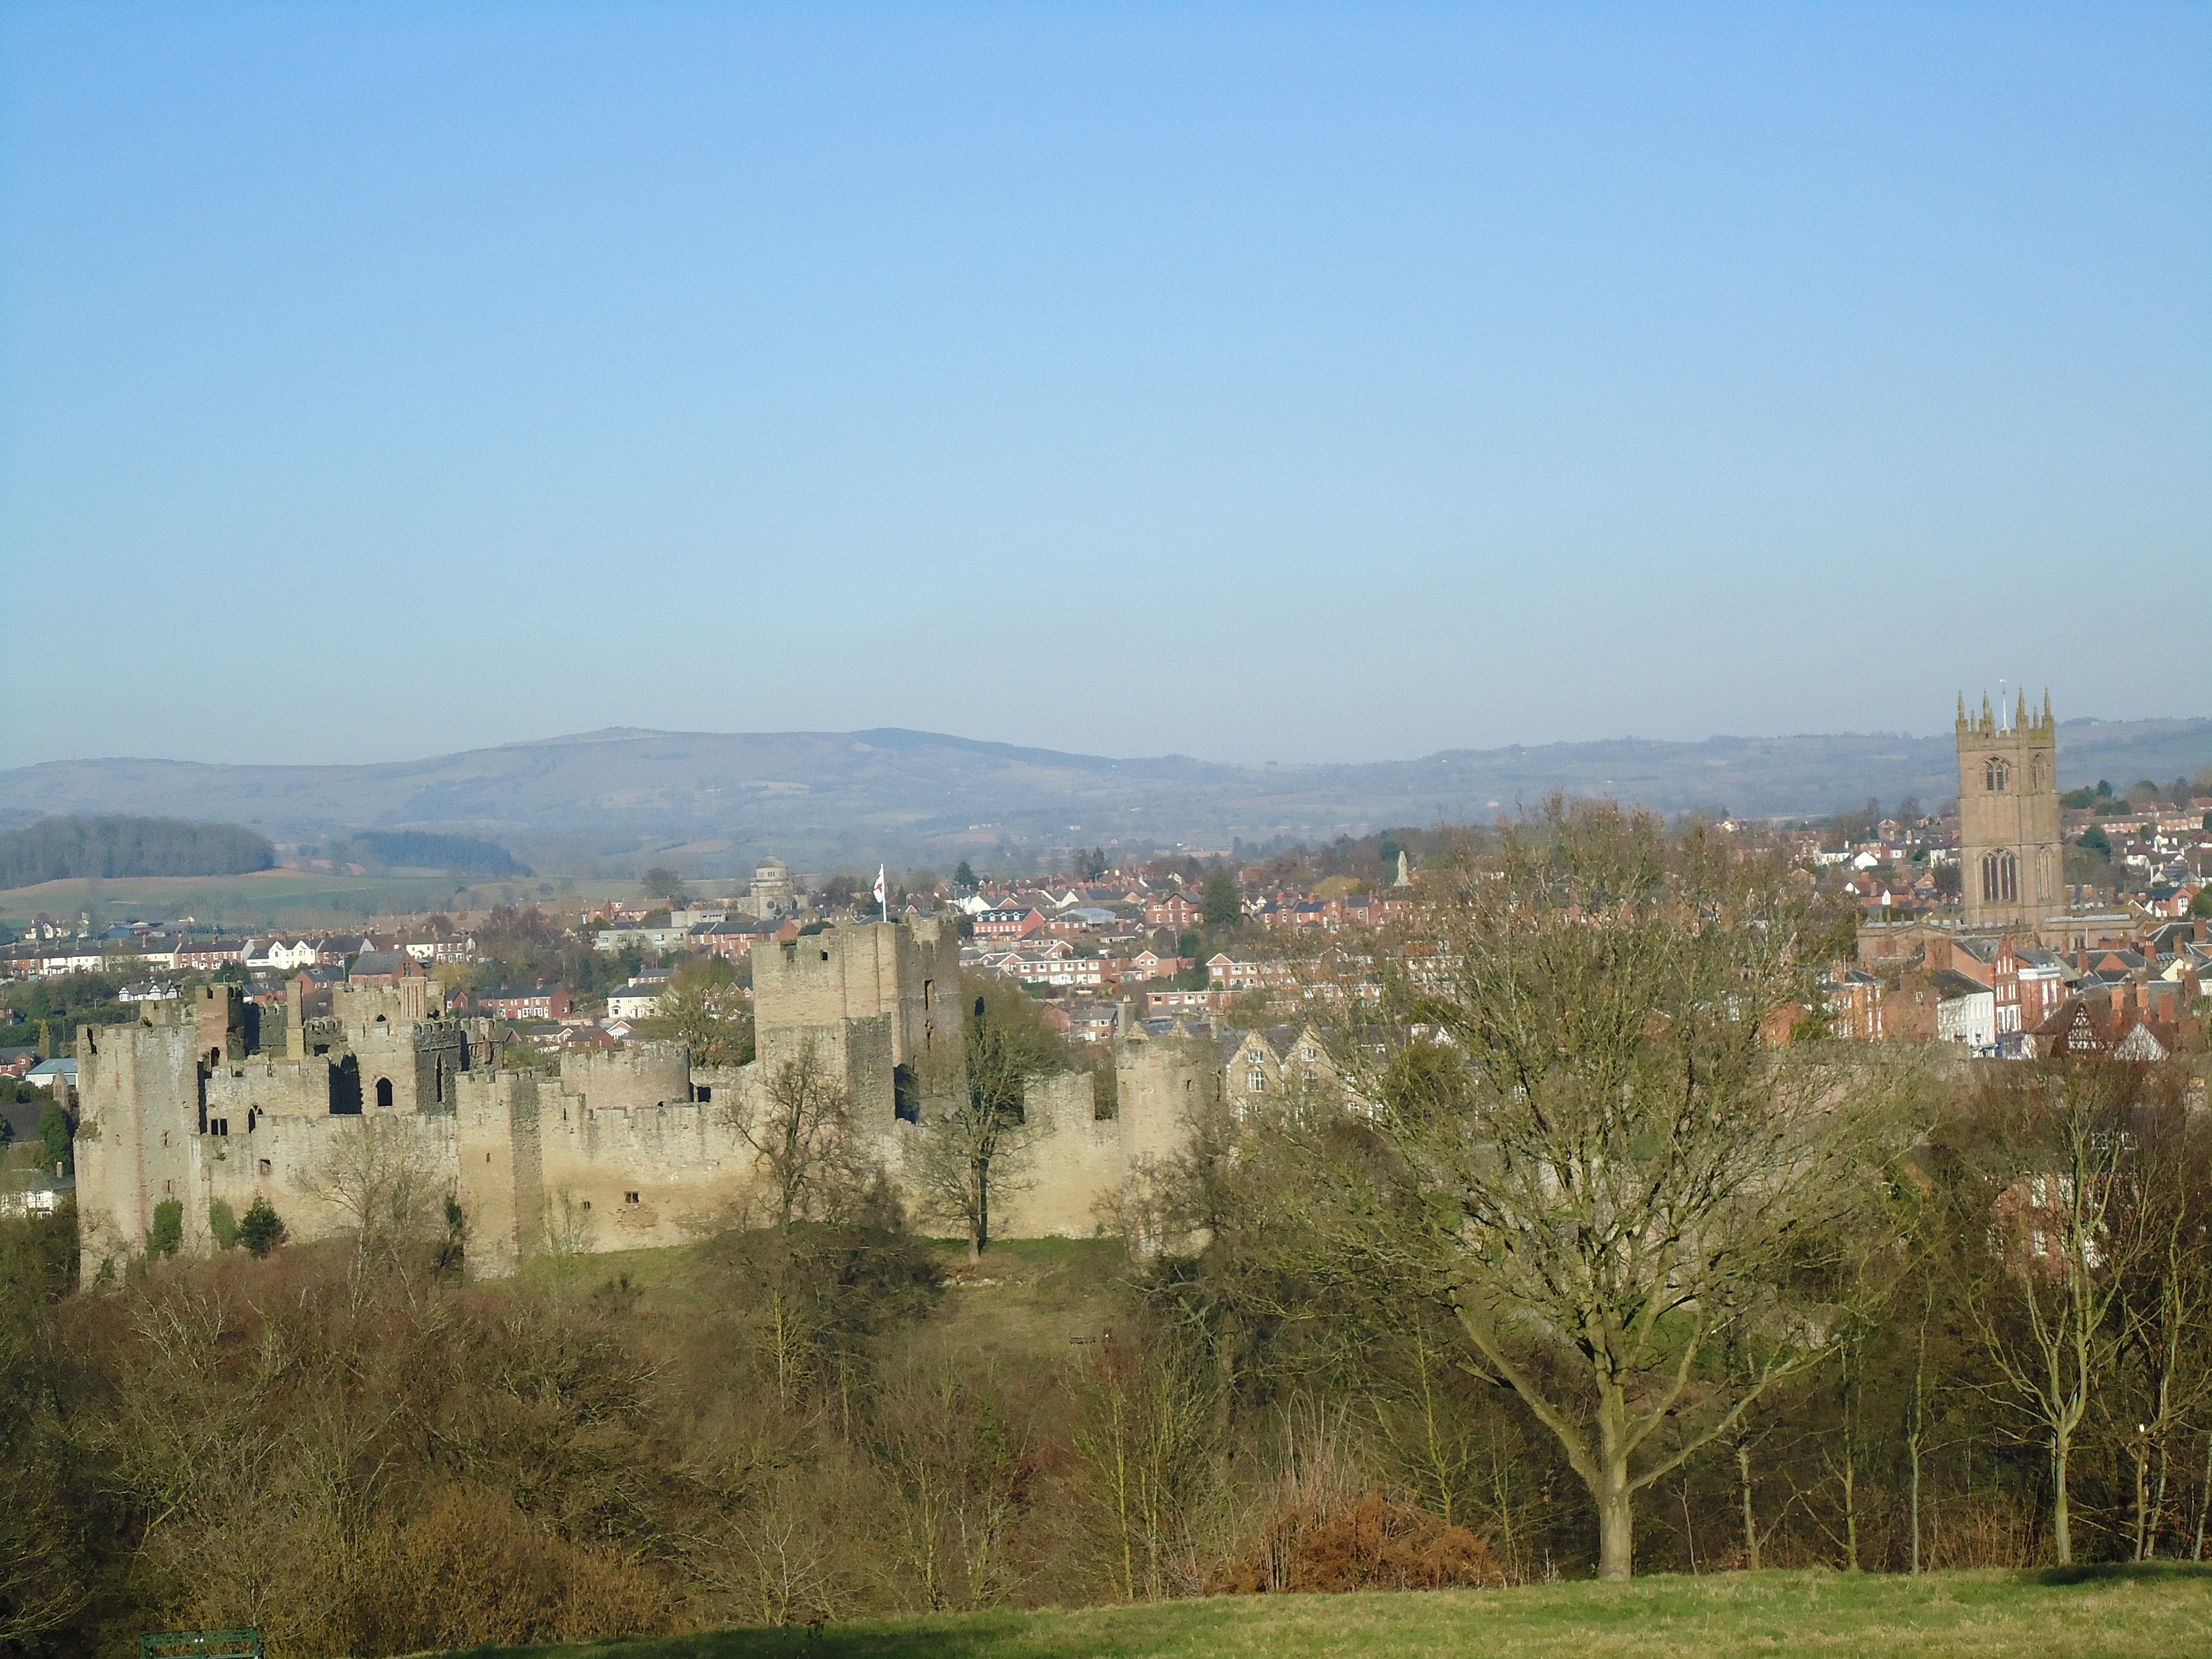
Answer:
[(1378, 1543), (167, 1231), (263, 1230)]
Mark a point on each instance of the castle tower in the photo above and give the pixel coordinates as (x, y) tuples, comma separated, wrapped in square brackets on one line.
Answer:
[(880, 1001), (2010, 864)]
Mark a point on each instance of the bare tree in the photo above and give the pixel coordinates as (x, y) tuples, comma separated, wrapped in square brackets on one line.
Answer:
[(2170, 1294), (976, 1138), (379, 1175), (1617, 1182), (701, 1009), (2053, 1317), (799, 1127)]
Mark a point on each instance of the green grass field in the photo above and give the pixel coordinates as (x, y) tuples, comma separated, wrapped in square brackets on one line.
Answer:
[(2123, 1616), (279, 898)]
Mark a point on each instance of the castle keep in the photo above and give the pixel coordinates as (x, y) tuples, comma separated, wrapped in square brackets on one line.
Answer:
[(620, 1149)]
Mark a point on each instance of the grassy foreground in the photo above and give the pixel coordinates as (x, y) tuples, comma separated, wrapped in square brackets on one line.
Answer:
[(1767, 1613)]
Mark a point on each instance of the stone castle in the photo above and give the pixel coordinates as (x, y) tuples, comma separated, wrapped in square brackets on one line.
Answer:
[(620, 1149)]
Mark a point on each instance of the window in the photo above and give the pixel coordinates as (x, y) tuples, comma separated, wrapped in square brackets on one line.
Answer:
[(1997, 776), (1257, 1081), (588, 1203), (629, 1198), (263, 1169), (706, 1094), (2000, 879), (384, 1094)]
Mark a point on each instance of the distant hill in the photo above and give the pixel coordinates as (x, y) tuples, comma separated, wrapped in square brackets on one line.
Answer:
[(706, 802), (419, 849), (67, 849)]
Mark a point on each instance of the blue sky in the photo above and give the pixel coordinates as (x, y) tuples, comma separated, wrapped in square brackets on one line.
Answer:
[(1260, 383)]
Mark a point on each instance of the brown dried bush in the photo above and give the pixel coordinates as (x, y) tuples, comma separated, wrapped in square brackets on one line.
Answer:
[(1377, 1543), (470, 1569)]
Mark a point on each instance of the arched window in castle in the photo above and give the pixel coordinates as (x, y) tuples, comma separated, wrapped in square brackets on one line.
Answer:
[(1996, 777), (2000, 879), (384, 1094), (2034, 773)]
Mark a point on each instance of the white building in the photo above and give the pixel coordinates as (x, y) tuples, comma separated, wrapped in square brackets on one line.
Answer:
[(638, 999)]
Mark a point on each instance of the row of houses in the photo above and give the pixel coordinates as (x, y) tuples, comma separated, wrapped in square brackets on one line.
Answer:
[(149, 955)]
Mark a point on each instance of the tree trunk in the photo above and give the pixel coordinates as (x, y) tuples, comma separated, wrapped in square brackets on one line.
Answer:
[(2203, 1500), (2142, 1495), (980, 1240), (1615, 1532), (1919, 1407), (1750, 1522), (2061, 1529)]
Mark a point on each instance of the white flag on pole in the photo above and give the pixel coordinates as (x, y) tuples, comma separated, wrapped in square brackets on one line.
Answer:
[(882, 892)]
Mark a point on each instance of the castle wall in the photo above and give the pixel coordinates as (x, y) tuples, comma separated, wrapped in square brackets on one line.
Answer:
[(139, 1122), (660, 1173), (646, 1074), (1076, 1164), (626, 1149), (1161, 1085), (855, 1054), (910, 972), (289, 1161), (500, 1183)]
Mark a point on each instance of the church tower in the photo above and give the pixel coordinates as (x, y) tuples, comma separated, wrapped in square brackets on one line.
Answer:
[(2010, 863)]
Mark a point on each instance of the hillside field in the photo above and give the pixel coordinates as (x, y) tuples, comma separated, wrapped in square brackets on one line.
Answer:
[(1960, 1615), (272, 899)]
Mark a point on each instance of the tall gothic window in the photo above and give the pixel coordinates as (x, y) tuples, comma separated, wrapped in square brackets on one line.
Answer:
[(1996, 777), (2000, 879)]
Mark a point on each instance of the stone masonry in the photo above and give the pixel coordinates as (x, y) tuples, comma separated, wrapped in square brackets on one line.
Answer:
[(623, 1149)]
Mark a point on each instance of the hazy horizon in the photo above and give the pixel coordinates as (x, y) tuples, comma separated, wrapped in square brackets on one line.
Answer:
[(611, 731)]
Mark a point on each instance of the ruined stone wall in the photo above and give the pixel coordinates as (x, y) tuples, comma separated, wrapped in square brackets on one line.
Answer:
[(246, 1090), (646, 1074), (138, 1103), (910, 972), (500, 1180), (1075, 1166), (1160, 1085), (627, 1178), (410, 1056), (289, 1160), (222, 1019), (856, 1054), (628, 1148)]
